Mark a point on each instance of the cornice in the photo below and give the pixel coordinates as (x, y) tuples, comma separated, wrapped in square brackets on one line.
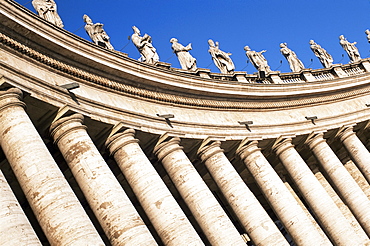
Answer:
[(359, 88), (165, 85)]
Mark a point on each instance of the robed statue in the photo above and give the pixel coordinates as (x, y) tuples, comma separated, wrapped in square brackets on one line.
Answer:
[(257, 59), (47, 9), (368, 35), (221, 59), (187, 62), (294, 63), (97, 33), (144, 46), (350, 48), (325, 58)]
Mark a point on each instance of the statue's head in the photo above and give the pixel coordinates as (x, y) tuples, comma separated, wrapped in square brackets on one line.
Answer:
[(136, 30), (211, 43), (173, 40), (367, 31), (87, 19), (246, 48), (283, 45), (312, 42), (341, 37)]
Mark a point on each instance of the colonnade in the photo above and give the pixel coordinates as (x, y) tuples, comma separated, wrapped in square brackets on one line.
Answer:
[(339, 209)]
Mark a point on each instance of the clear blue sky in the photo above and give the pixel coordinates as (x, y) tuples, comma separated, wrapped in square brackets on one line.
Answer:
[(261, 24)]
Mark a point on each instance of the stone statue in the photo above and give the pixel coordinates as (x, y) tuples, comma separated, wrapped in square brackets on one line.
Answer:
[(220, 58), (257, 59), (97, 33), (325, 58), (144, 46), (295, 64), (350, 48), (47, 9), (187, 62), (368, 35)]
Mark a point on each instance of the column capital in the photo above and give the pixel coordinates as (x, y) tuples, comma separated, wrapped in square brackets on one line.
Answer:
[(11, 97), (65, 125), (209, 148), (345, 132), (247, 147), (314, 139), (282, 144), (166, 145), (120, 139)]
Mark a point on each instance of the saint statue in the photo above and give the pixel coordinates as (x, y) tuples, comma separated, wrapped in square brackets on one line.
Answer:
[(220, 58), (97, 33), (350, 48), (368, 35), (257, 59), (187, 62), (144, 46), (295, 64), (47, 9), (325, 58)]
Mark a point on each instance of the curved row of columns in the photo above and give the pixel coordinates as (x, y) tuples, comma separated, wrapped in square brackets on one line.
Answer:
[(64, 221)]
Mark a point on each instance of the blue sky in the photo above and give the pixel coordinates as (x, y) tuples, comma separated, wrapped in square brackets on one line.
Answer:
[(261, 24)]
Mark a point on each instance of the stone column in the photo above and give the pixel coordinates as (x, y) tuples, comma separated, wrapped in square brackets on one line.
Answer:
[(331, 218), (358, 177), (109, 202), (303, 231), (352, 194), (158, 203), (56, 207), (358, 152), (15, 229), (206, 210), (343, 207), (257, 223)]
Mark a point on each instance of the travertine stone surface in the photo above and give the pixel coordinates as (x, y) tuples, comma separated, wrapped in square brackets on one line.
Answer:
[(352, 194), (109, 202), (283, 175), (340, 232), (56, 207), (302, 229), (358, 177), (206, 210), (358, 152), (15, 229), (249, 211), (343, 207), (160, 206)]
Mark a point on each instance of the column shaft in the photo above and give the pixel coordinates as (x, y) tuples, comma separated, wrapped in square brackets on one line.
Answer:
[(302, 229), (249, 211), (160, 206), (331, 218), (358, 152), (109, 202), (358, 177), (15, 229), (343, 207), (207, 211), (56, 207), (352, 194)]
